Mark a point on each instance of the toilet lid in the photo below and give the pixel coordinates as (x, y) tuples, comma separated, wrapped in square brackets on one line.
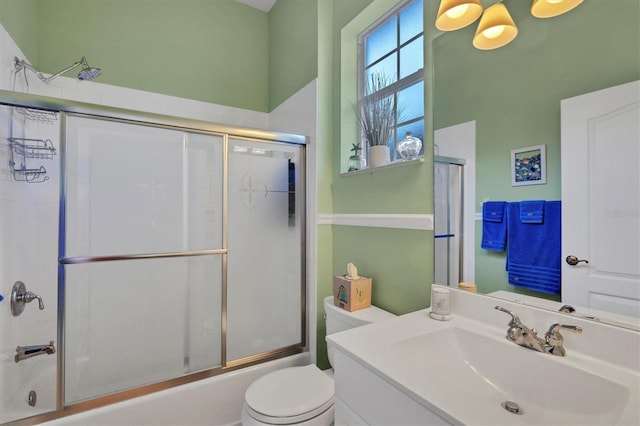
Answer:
[(290, 395)]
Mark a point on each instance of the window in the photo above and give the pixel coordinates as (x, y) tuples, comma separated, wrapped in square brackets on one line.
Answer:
[(393, 49)]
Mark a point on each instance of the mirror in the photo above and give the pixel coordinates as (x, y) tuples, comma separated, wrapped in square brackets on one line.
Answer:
[(512, 96)]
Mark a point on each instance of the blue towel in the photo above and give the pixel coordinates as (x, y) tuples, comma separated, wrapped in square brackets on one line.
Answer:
[(494, 226), (534, 252), (532, 211)]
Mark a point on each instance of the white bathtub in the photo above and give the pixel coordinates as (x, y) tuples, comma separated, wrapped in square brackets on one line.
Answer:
[(38, 376), (213, 401)]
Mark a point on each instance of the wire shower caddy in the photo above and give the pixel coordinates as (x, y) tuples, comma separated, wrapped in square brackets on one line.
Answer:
[(23, 149)]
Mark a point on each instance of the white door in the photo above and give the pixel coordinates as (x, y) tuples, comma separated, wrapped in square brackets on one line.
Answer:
[(601, 199)]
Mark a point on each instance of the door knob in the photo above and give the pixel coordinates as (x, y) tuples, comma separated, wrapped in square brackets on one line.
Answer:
[(573, 260)]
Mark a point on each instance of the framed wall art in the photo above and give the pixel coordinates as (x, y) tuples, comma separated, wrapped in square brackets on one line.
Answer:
[(528, 166)]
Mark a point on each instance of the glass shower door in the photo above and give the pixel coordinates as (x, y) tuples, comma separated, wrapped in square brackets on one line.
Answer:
[(142, 255), (265, 285)]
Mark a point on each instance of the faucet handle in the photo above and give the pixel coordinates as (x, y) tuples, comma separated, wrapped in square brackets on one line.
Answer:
[(20, 296), (554, 330), (554, 339), (514, 318), (514, 333), (29, 296), (567, 309)]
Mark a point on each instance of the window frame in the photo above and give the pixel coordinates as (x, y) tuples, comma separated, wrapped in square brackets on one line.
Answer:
[(401, 83)]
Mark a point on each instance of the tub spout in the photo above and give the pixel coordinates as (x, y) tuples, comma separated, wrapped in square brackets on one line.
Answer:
[(25, 352)]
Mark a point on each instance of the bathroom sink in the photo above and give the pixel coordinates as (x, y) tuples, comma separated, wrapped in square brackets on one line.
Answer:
[(498, 382), (465, 372)]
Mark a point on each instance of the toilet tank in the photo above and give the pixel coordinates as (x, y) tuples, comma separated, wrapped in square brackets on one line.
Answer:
[(339, 319)]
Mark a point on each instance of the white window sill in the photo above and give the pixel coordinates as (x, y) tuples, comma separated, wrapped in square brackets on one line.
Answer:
[(391, 165)]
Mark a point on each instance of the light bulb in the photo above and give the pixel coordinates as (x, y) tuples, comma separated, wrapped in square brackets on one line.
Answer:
[(458, 11), (494, 32)]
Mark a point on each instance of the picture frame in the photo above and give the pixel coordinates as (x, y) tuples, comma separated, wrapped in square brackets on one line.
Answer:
[(529, 166)]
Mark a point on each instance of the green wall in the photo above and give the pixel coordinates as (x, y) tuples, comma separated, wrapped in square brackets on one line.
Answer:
[(293, 53), (399, 261), (324, 168), (19, 19), (212, 51), (514, 94), (217, 51)]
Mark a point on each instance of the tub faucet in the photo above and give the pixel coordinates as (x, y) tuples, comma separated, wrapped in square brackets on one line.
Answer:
[(25, 352), (522, 335)]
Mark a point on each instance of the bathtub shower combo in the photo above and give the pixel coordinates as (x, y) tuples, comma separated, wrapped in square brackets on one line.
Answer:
[(141, 251)]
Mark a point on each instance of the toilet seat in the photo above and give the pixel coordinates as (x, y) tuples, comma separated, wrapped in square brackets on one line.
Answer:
[(290, 395)]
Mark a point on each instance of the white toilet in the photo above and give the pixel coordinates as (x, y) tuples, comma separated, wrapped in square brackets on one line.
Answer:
[(303, 395)]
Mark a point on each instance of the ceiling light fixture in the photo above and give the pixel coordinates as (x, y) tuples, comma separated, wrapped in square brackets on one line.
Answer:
[(456, 14), (496, 27), (551, 8)]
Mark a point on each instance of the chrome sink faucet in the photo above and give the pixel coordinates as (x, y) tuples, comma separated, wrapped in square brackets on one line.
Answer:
[(522, 335)]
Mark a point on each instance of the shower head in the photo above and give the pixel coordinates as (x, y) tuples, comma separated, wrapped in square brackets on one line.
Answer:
[(86, 73)]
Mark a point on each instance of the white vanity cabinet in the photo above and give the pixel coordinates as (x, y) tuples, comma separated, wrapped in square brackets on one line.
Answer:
[(364, 398)]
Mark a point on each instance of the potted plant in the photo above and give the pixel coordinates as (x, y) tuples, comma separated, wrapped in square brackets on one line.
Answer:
[(376, 117)]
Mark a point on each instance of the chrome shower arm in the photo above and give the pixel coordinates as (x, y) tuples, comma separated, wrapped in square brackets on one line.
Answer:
[(58, 74), (22, 64)]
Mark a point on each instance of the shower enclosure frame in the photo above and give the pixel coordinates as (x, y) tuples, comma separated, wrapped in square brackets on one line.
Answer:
[(66, 108), (459, 223)]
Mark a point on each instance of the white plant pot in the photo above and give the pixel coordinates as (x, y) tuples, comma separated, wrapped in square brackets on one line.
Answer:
[(378, 155)]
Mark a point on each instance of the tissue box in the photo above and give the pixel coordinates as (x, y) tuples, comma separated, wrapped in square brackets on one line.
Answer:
[(352, 295)]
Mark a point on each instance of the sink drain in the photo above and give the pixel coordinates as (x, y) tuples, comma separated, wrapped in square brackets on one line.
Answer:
[(512, 407)]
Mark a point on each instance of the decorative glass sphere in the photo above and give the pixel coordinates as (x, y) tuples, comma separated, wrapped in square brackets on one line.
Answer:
[(409, 147)]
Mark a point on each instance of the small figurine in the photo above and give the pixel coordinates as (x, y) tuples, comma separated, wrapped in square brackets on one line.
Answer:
[(356, 161)]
